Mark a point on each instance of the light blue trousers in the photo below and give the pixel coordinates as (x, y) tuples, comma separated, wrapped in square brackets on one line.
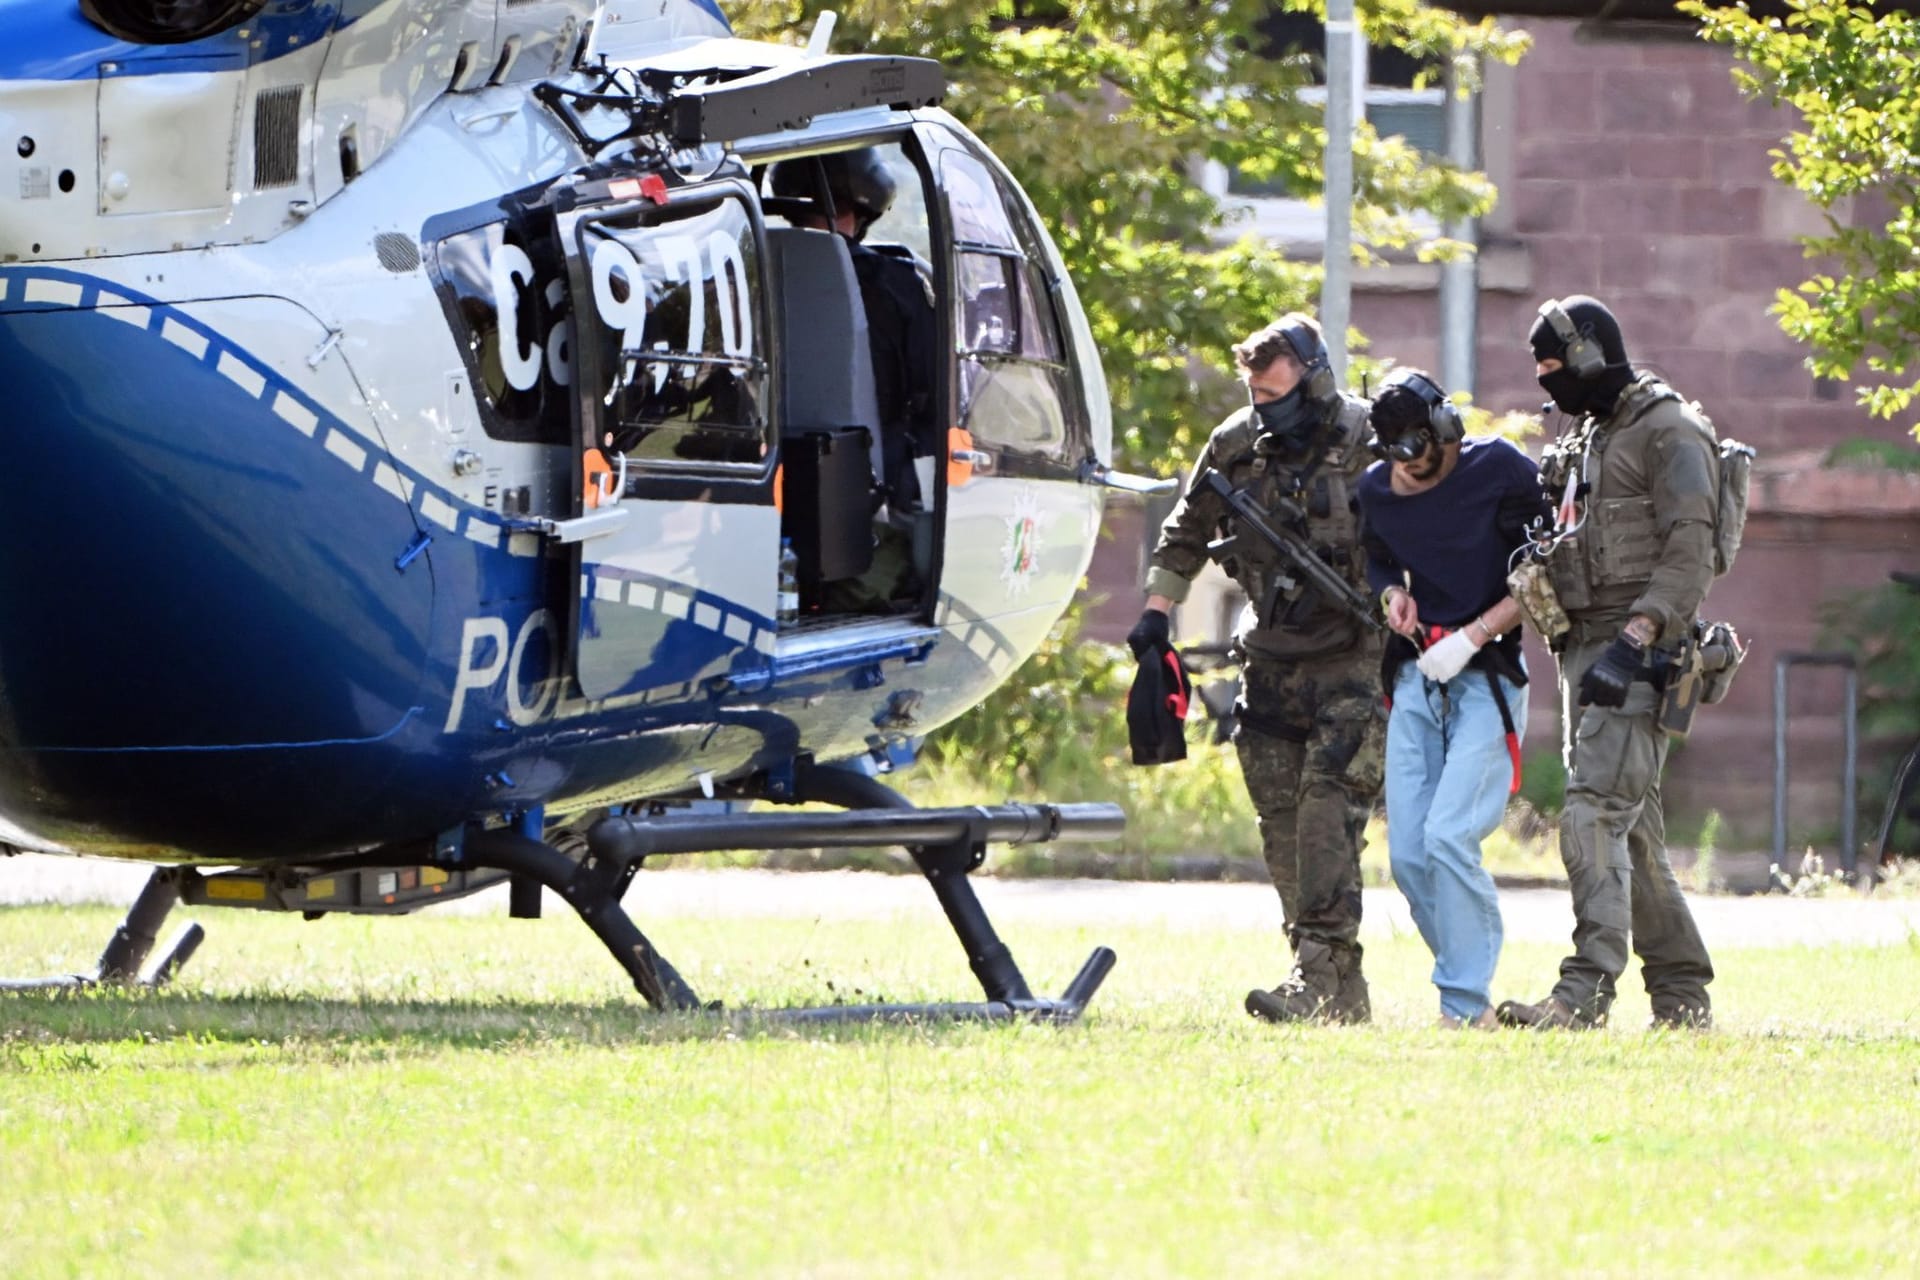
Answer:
[(1447, 777)]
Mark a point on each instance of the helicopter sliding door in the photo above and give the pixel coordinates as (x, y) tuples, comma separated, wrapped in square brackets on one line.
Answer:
[(675, 519)]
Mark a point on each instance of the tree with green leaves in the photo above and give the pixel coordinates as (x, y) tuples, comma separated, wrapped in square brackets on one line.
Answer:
[(1101, 108), (1854, 76)]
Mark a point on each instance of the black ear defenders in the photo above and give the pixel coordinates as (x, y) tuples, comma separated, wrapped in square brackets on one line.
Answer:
[(1402, 430), (1443, 415), (1308, 348), (1583, 354)]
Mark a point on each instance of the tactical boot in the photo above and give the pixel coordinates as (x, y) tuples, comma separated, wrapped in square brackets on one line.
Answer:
[(1351, 1004), (1551, 1014), (1325, 986), (1681, 1017)]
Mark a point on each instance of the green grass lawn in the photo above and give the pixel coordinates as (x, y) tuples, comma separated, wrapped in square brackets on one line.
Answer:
[(452, 1096)]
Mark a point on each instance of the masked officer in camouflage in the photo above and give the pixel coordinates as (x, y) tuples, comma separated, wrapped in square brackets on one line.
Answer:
[(1636, 479), (1310, 721)]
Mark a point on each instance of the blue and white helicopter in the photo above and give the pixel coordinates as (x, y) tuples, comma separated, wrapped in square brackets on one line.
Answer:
[(406, 405)]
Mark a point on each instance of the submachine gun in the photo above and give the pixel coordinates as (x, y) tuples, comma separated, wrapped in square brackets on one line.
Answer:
[(1299, 563)]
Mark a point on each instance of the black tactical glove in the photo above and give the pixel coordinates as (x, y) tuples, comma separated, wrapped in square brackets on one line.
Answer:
[(1152, 632), (1607, 681)]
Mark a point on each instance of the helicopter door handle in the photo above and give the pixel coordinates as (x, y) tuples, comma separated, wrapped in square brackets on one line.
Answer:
[(1093, 471), (594, 524), (963, 459)]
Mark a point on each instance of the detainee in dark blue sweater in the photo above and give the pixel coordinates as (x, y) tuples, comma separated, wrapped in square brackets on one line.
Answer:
[(1442, 518)]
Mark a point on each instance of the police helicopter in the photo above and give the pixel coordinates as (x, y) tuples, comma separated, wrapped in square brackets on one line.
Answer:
[(416, 412)]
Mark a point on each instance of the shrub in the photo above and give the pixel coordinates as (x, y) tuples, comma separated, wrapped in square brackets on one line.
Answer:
[(1881, 629), (1057, 732)]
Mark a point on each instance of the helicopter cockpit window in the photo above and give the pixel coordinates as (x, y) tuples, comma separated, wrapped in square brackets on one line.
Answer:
[(672, 342), (973, 197), (1014, 382)]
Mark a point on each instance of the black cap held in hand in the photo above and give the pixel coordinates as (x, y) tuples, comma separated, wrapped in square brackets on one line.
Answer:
[(1153, 631), (1157, 706)]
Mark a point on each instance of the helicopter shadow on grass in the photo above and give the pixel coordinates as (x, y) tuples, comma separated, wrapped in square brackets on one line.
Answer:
[(405, 1027)]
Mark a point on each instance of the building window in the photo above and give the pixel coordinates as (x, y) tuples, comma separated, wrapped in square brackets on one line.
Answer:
[(1391, 102)]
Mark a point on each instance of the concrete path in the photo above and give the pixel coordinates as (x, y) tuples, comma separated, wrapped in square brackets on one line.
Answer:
[(1533, 915)]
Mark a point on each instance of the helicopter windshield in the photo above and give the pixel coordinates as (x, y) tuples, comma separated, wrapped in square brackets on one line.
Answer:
[(1015, 387)]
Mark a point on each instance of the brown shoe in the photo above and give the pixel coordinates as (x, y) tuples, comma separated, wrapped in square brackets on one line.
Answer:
[(1481, 1021), (1551, 1014)]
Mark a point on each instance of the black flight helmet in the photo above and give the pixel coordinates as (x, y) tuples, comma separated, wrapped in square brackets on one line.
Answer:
[(843, 181)]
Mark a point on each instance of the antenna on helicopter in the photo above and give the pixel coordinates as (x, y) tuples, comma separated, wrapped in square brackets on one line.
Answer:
[(822, 33)]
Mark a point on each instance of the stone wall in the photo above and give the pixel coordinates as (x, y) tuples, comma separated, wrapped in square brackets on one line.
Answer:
[(1634, 171)]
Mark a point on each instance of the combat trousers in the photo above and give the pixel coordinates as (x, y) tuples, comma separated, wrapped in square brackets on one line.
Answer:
[(1310, 737), (1613, 842)]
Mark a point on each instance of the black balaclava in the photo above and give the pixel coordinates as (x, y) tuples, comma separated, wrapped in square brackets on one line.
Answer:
[(1288, 425), (1291, 425), (1571, 393)]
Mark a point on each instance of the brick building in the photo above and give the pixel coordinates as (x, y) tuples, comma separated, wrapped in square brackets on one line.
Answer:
[(1630, 167)]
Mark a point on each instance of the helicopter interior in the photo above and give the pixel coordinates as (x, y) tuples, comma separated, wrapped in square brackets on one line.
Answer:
[(715, 312), (842, 508)]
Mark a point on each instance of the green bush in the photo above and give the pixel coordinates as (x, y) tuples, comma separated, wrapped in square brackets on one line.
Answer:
[(1879, 455), (1881, 629), (1532, 815), (1057, 732)]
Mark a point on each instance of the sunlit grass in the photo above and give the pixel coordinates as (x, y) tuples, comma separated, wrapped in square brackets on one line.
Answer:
[(447, 1095)]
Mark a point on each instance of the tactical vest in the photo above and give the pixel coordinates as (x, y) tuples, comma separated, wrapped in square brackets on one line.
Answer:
[(1619, 542), (1322, 485)]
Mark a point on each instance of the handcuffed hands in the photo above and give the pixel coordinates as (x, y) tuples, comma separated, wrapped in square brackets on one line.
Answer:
[(1606, 682), (1448, 657), (1153, 631), (1403, 615)]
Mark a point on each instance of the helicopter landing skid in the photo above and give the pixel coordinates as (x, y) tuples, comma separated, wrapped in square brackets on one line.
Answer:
[(131, 943), (946, 844)]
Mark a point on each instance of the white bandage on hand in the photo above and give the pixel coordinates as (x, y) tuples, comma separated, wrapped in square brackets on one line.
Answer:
[(1448, 658)]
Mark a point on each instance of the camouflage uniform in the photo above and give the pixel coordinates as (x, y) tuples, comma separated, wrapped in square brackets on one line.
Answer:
[(1647, 548), (1311, 725)]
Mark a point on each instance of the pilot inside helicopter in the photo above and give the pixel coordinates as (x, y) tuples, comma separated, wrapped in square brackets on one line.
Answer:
[(847, 192)]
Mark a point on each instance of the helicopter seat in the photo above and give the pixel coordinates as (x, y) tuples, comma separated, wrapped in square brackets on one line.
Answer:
[(829, 412)]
